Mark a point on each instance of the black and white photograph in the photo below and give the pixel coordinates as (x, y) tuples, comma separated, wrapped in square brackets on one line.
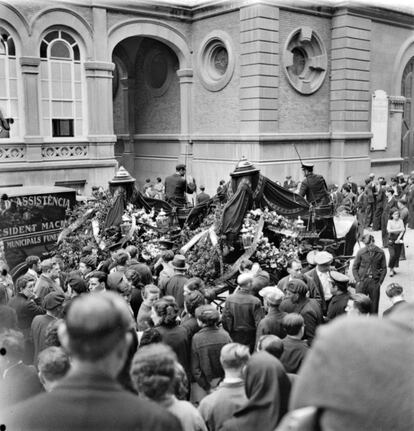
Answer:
[(206, 215)]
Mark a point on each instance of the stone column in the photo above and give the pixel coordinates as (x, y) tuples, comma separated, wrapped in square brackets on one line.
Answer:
[(100, 113), (30, 75), (350, 94), (128, 97), (186, 146), (259, 69)]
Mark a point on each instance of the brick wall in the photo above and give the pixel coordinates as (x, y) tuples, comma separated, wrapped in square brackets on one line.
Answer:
[(298, 112), (216, 111), (153, 113)]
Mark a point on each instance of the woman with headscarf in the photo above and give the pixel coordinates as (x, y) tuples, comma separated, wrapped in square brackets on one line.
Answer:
[(267, 388)]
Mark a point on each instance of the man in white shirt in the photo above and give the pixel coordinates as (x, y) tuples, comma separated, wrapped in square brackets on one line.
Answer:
[(320, 276)]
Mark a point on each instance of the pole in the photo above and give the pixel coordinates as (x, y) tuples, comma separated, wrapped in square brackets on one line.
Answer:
[(297, 152)]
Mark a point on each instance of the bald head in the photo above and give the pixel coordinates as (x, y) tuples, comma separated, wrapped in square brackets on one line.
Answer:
[(95, 324)]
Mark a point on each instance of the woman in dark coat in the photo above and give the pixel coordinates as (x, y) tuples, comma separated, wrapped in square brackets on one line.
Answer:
[(267, 388), (165, 314)]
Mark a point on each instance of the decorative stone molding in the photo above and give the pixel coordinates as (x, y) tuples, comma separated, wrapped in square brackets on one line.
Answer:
[(305, 61), (10, 153), (64, 152), (216, 60), (396, 104)]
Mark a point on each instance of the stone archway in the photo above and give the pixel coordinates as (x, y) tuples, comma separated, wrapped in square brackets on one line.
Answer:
[(158, 93)]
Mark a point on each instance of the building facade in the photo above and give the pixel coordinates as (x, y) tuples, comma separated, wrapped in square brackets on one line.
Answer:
[(92, 84)]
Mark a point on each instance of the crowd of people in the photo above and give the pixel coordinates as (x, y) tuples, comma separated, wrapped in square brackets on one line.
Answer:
[(119, 344)]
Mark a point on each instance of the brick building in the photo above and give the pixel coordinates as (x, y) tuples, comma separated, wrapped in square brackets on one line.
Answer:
[(141, 83)]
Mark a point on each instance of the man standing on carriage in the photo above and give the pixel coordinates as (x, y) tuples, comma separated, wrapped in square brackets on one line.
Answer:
[(315, 190), (177, 185)]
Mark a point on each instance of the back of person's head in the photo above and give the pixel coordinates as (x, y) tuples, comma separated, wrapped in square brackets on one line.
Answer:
[(193, 300), (167, 255), (394, 289), (153, 371), (12, 342), (78, 285), (298, 287), (95, 325), (234, 356), (133, 276), (32, 260), (194, 283), (271, 344), (121, 257), (346, 188), (22, 282), (132, 250), (293, 323), (362, 303), (46, 265), (208, 315), (368, 180), (53, 364), (167, 310), (150, 336), (51, 333), (8, 318)]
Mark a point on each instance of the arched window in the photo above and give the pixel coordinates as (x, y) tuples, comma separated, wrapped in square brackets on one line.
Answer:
[(61, 86), (8, 84)]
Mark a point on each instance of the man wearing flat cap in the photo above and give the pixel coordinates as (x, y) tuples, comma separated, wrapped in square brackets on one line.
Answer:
[(97, 335), (272, 322), (340, 295), (320, 276), (242, 312), (176, 186), (52, 303)]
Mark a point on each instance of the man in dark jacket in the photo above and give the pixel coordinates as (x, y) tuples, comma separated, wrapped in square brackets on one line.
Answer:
[(175, 285), (296, 301), (176, 186), (96, 335), (202, 196), (53, 304), (206, 347), (369, 270), (25, 304), (272, 322), (294, 348), (340, 295), (314, 187), (242, 312)]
